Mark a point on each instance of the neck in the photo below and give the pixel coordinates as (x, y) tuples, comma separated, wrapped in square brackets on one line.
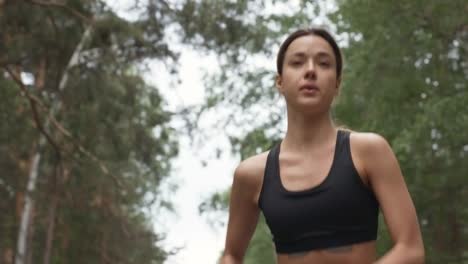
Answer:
[(306, 132)]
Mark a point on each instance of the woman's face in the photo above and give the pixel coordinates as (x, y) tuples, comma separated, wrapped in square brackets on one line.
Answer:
[(309, 81)]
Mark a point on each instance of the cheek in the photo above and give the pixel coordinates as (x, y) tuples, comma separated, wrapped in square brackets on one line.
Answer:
[(332, 81), (291, 78)]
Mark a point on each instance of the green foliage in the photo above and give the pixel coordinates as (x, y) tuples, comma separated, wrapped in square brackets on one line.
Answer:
[(214, 208), (415, 97), (112, 131), (261, 248)]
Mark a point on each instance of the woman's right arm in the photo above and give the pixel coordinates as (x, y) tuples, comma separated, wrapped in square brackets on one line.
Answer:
[(243, 212)]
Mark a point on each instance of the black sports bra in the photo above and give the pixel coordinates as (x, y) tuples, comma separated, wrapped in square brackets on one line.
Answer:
[(339, 211)]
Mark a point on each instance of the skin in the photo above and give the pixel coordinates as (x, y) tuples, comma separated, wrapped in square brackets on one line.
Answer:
[(306, 157)]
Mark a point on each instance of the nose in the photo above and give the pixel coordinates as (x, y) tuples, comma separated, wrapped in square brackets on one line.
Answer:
[(310, 70)]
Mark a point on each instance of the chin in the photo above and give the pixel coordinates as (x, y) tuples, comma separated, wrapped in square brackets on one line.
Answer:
[(310, 109)]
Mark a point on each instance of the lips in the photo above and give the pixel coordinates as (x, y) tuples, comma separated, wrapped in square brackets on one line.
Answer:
[(309, 87)]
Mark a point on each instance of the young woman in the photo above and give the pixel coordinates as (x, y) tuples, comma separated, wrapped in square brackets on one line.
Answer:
[(321, 188)]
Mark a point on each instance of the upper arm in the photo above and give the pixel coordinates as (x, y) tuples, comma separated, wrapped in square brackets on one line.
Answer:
[(387, 182), (243, 210)]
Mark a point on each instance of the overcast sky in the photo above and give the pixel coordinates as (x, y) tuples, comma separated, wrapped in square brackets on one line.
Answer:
[(186, 229)]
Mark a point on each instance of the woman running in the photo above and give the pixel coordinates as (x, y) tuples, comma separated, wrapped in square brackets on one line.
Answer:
[(321, 188)]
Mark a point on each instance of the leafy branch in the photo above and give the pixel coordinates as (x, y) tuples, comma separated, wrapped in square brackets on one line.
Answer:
[(61, 4), (34, 101)]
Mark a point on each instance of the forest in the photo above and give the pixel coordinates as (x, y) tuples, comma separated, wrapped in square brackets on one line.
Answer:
[(86, 143)]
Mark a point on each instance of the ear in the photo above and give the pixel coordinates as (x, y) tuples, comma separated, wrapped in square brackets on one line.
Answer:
[(278, 83), (338, 85)]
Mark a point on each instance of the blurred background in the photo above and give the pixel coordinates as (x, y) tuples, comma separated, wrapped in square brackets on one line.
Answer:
[(122, 121)]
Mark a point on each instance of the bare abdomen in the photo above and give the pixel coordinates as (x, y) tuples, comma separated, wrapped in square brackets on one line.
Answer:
[(362, 253)]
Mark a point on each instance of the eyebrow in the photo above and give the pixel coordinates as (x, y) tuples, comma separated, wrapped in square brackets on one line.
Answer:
[(319, 54)]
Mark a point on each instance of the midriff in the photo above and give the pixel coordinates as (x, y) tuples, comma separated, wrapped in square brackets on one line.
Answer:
[(361, 253)]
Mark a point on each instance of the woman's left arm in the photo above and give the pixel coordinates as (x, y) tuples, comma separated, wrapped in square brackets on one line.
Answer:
[(387, 182)]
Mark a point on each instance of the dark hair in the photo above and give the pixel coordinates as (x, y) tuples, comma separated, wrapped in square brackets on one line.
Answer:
[(306, 32)]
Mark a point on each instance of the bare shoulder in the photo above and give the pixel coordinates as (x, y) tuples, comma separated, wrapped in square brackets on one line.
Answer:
[(368, 143), (367, 150), (250, 170), (249, 174)]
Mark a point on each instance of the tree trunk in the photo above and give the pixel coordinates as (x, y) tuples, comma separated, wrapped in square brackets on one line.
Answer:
[(53, 212), (33, 174), (7, 257), (30, 237), (19, 204), (41, 74), (50, 228), (103, 249), (25, 216)]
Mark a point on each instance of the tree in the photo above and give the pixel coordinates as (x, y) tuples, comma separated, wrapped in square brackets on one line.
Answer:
[(106, 138), (409, 97), (108, 141)]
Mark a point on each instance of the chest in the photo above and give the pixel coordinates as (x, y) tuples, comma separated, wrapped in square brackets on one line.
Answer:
[(300, 172), (315, 195)]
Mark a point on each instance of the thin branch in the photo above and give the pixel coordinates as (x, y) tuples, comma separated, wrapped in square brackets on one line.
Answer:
[(58, 4), (101, 165), (32, 101), (83, 150)]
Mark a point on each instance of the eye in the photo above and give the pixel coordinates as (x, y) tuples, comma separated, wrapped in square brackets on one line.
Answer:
[(324, 64)]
